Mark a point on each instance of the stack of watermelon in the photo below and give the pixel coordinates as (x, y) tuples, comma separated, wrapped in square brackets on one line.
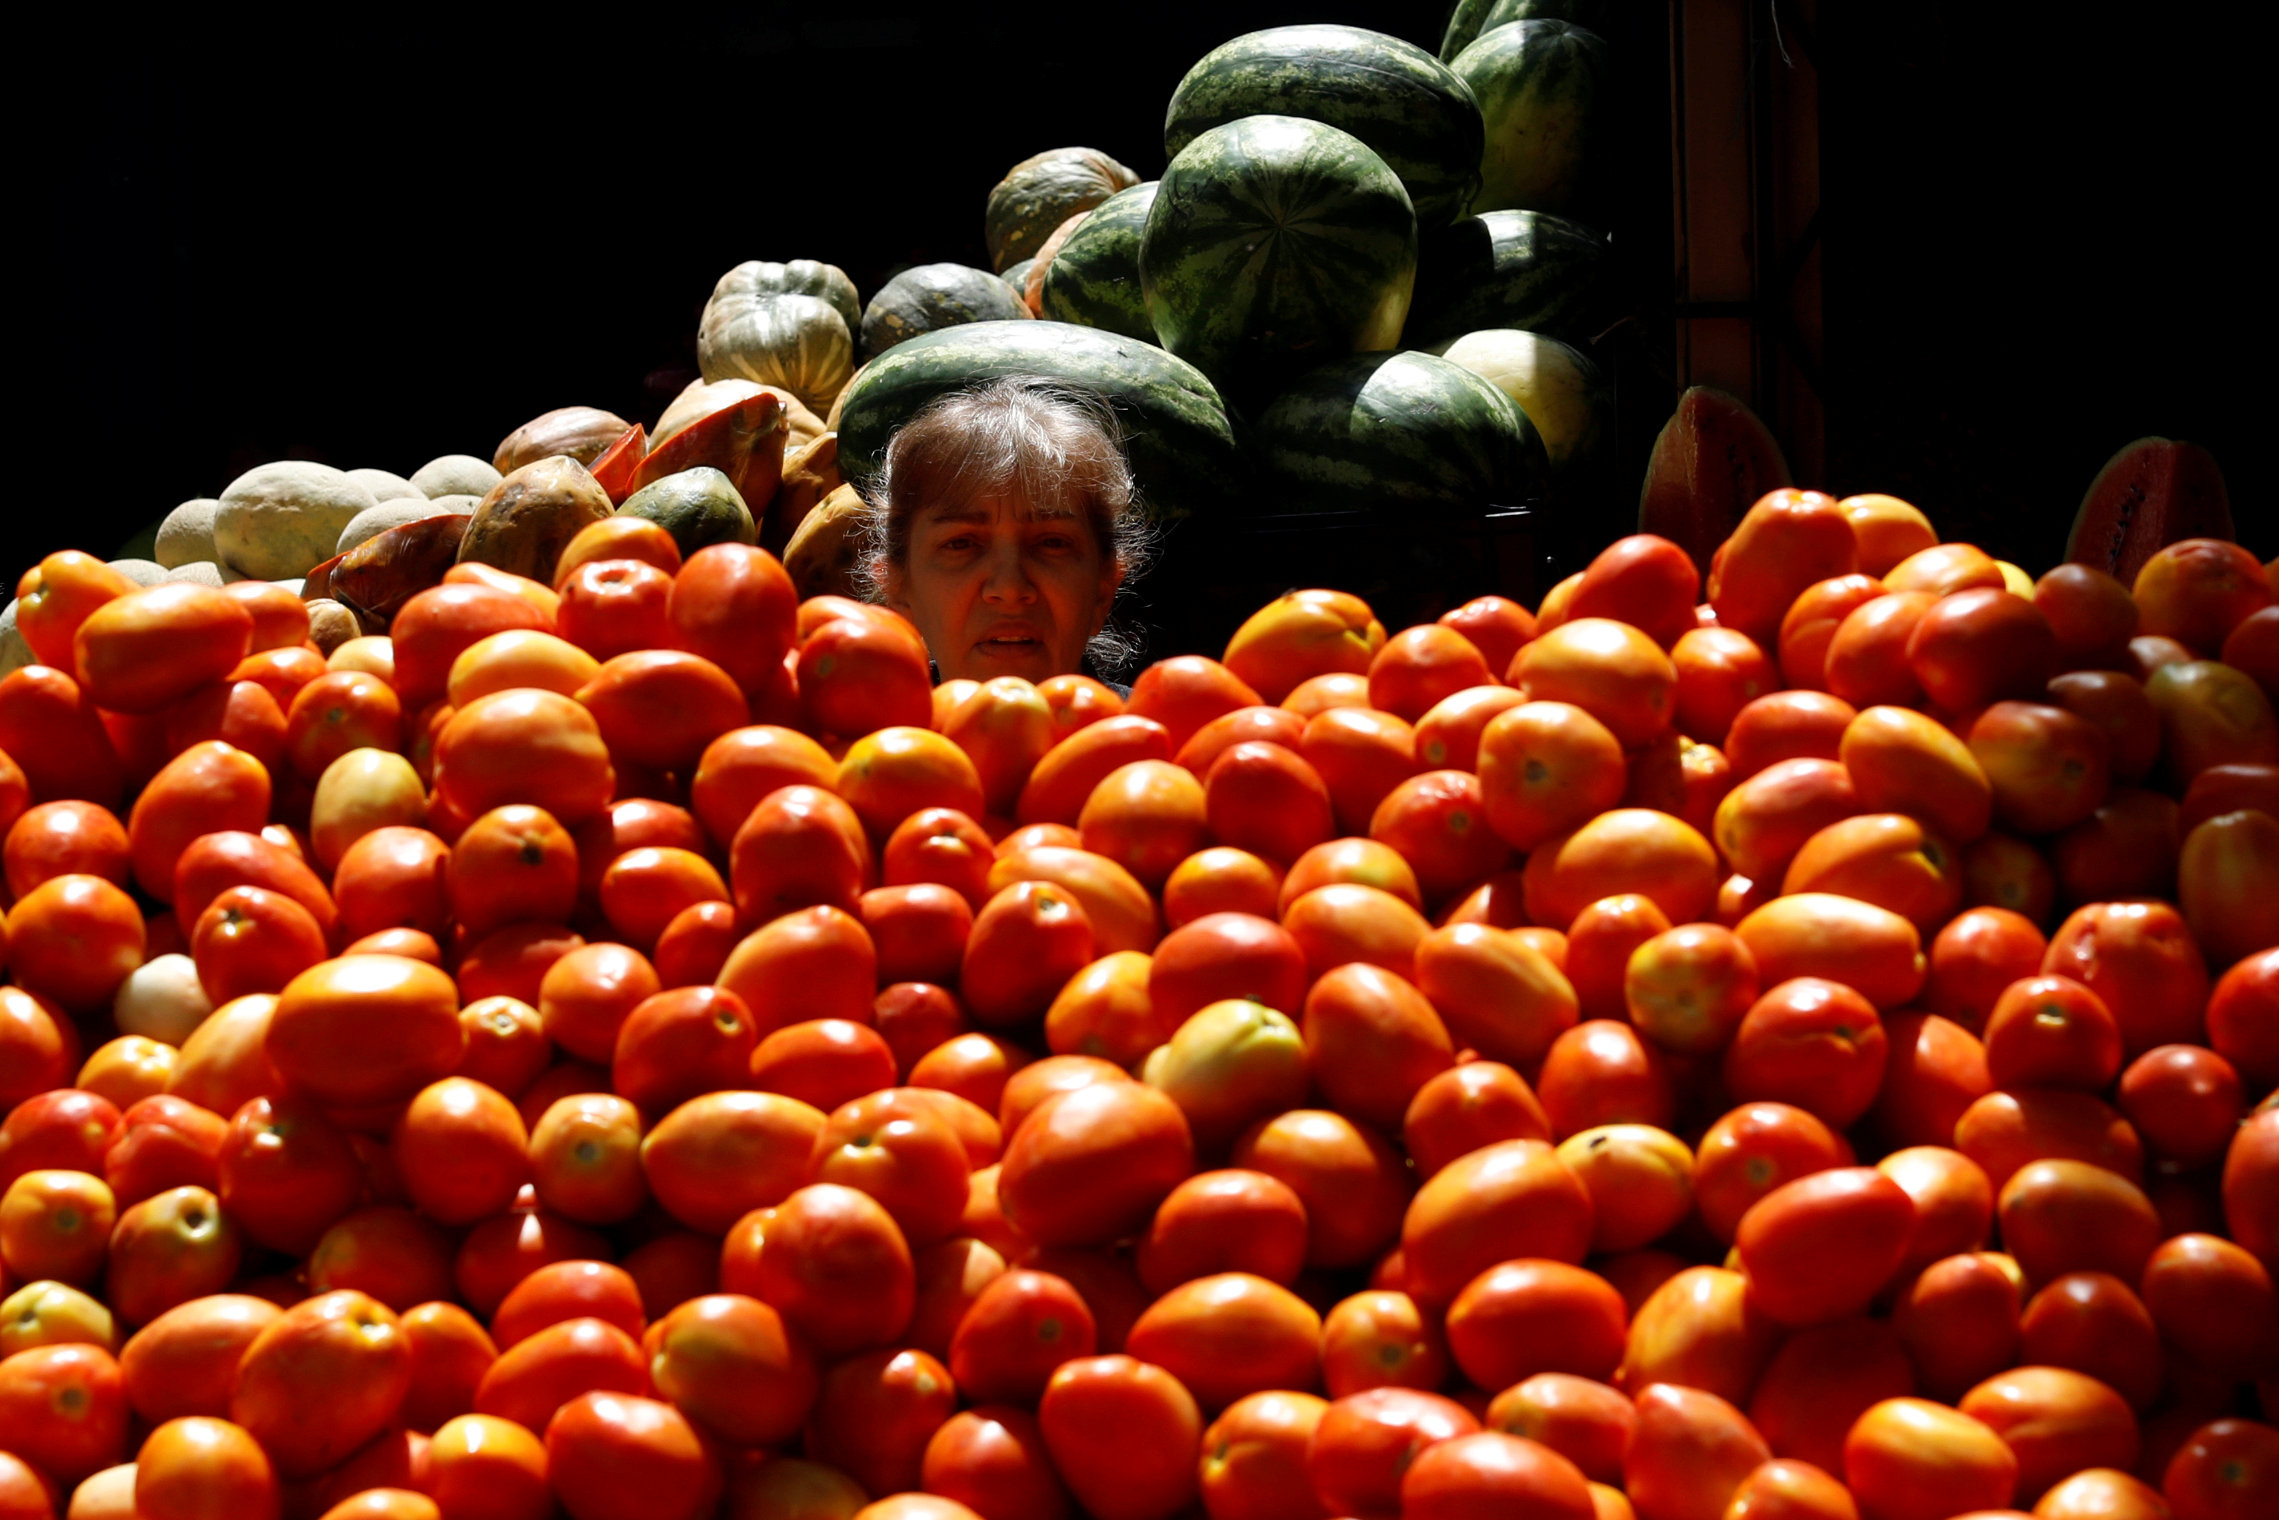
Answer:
[(1353, 287)]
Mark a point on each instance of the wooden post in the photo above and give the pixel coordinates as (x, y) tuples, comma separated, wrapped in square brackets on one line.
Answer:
[(1745, 171)]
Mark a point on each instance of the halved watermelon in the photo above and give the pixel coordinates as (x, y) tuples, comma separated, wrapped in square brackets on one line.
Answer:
[(1398, 432), (1094, 281), (1274, 244), (1524, 269), (1181, 444), (1404, 103), (1542, 86)]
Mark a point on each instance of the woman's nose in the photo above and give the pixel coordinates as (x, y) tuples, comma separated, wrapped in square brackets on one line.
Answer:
[(1008, 577)]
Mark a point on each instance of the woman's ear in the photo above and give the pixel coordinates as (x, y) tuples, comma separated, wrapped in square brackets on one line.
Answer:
[(1110, 584)]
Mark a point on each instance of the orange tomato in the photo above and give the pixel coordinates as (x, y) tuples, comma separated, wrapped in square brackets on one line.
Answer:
[(1254, 1458), (1027, 941), (488, 1469), (2046, 766), (1699, 1328), (1496, 626), (1866, 663), (1719, 672), (1005, 726), (51, 729), (2094, 1323), (1495, 993), (1980, 645), (1809, 626), (634, 538), (1756, 1147), (1353, 1185), (1521, 1318), (524, 746), (1820, 1248), (1124, 1435), (816, 963), (1371, 1041), (735, 606), (1910, 1459), (204, 1467), (1689, 1451), (631, 1458), (1785, 542), (1092, 1165), (1626, 850), (1954, 1202), (1419, 666), (2055, 1422), (1601, 1072), (836, 1266), (1147, 817), (717, 1157), (1511, 1199), (2092, 615), (585, 1158), (1381, 1339), (1061, 781), (1368, 1442), (72, 939), (366, 1029), (1643, 580), (1812, 1041), (322, 1379), (142, 650), (461, 1150), (661, 708), (1266, 799), (1976, 957), (209, 787), (1220, 880), (1185, 692), (2139, 958), (1820, 934), (1271, 725), (1610, 670), (2060, 1215), (1786, 725), (1687, 989), (1586, 1422), (1888, 860)]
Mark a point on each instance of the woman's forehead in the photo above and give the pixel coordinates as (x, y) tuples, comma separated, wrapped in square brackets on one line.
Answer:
[(997, 507)]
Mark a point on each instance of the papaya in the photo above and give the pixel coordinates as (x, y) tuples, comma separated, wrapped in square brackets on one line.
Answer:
[(2149, 495), (1712, 462), (523, 523)]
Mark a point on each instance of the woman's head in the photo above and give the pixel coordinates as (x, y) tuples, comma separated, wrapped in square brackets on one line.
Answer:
[(1003, 526)]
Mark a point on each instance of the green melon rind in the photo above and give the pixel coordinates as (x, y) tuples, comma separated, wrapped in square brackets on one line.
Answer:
[(1407, 105), (1042, 191), (1475, 17), (1398, 432), (1094, 281), (1542, 86), (931, 297), (1182, 445), (1016, 276), (1525, 269), (1275, 244)]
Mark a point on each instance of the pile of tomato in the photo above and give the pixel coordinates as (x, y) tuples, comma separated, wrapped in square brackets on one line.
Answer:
[(634, 1048)]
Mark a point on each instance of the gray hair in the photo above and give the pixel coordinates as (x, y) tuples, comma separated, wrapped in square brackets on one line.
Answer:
[(1057, 447)]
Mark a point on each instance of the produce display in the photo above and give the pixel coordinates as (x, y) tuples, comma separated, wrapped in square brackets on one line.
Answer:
[(522, 998)]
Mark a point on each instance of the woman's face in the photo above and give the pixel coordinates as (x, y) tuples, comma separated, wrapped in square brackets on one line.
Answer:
[(998, 590)]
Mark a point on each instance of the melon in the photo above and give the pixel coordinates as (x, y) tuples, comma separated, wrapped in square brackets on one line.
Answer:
[(454, 475), (1526, 269), (186, 534), (2152, 493), (1276, 244), (1039, 193), (1407, 105), (1542, 86), (1182, 446), (523, 523), (698, 507), (1016, 276), (385, 485), (931, 297), (281, 520), (1562, 392), (1398, 432), (1094, 280), (1711, 462)]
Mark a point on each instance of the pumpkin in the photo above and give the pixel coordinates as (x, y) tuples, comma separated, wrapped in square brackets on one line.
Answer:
[(799, 277), (798, 342), (1038, 194), (1033, 288), (839, 407), (822, 556), (809, 475), (523, 523), (934, 296), (701, 398), (581, 432)]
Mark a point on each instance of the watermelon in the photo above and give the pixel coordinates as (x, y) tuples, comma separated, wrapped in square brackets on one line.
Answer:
[(1542, 86), (1404, 103), (1561, 391), (1039, 193), (1094, 280), (934, 296), (1473, 18), (1398, 432), (1181, 444), (1524, 269), (1016, 276), (1275, 244)]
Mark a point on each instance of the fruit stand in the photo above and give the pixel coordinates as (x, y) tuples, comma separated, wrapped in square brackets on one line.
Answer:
[(524, 996)]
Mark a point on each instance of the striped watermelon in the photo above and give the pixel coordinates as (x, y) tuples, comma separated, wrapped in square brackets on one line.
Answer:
[(1181, 445), (934, 296), (1542, 85), (1094, 280), (1398, 432), (1039, 193), (1276, 243), (1475, 18), (1404, 103), (1525, 269)]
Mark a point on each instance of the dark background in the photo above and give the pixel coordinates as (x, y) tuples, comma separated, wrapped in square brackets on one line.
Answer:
[(370, 247)]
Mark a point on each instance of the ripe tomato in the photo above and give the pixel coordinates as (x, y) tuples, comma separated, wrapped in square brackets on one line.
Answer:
[(1124, 1435), (1366, 1443)]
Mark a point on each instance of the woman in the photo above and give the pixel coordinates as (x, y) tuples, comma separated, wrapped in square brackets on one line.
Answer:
[(1003, 526)]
